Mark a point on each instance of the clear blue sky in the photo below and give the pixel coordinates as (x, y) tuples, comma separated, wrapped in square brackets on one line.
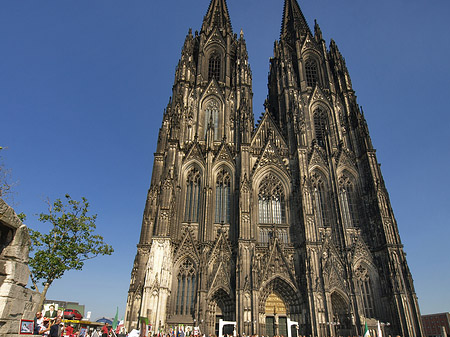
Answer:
[(83, 85)]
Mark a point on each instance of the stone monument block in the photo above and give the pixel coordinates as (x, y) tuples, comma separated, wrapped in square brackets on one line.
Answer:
[(16, 301)]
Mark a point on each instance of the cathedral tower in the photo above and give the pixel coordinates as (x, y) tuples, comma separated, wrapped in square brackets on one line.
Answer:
[(288, 220)]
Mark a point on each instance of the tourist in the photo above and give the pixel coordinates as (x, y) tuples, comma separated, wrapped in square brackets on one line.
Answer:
[(38, 321), (45, 327), (69, 330), (105, 330), (55, 328)]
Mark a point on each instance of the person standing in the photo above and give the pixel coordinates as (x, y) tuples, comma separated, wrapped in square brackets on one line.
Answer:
[(38, 322), (105, 330), (55, 329)]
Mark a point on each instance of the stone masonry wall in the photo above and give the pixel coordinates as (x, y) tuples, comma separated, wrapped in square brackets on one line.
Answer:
[(16, 301)]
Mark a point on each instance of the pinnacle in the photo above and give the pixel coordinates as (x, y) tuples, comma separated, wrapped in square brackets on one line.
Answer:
[(217, 15), (293, 20)]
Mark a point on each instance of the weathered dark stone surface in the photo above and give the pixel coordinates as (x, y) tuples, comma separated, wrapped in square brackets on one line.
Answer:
[(288, 218)]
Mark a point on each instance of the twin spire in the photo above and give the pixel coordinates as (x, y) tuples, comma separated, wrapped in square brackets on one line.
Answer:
[(217, 15), (293, 18)]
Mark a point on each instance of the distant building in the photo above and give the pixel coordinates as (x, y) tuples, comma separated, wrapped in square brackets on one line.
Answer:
[(65, 305), (432, 324), (105, 320)]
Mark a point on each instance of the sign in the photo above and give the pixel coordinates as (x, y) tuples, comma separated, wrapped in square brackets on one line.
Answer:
[(26, 327)]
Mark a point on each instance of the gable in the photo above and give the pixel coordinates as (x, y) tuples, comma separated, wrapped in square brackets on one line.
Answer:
[(270, 156), (194, 153), (268, 130)]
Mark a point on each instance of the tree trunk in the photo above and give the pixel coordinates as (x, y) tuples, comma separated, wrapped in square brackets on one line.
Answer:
[(43, 294)]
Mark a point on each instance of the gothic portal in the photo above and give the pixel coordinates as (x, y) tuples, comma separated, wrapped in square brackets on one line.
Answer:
[(288, 219)]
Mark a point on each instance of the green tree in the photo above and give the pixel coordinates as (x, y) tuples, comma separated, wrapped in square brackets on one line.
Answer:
[(6, 186), (70, 241)]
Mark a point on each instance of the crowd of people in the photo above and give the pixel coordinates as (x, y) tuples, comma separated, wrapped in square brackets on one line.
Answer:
[(50, 324)]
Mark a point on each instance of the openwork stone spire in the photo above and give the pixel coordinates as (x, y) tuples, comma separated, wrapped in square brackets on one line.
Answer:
[(217, 15), (293, 20)]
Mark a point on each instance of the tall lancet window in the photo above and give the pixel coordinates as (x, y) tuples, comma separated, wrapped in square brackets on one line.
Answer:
[(271, 201), (223, 188), (311, 72), (212, 117), (214, 67), (192, 196), (186, 288), (322, 207), (320, 126), (349, 207), (365, 288)]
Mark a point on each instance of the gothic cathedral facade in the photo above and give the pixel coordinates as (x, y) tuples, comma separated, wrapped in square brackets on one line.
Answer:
[(286, 220)]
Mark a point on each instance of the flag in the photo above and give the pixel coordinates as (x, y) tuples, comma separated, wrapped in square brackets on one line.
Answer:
[(116, 319), (366, 331), (119, 326), (380, 334)]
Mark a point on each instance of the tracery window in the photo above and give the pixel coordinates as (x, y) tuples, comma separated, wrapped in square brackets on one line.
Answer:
[(282, 235), (271, 201), (186, 288), (265, 234), (347, 195), (321, 201), (214, 67), (192, 196), (311, 72), (212, 117), (365, 287), (320, 125), (223, 188)]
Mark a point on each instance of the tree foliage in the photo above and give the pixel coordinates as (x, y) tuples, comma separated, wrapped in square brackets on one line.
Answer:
[(6, 186), (69, 243)]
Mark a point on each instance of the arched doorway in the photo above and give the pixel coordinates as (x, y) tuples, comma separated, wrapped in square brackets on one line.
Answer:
[(341, 316), (276, 316), (220, 306), (278, 301)]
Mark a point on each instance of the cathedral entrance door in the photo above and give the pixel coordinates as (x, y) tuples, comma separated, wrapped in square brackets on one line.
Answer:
[(282, 326), (270, 326), (221, 307), (341, 315), (276, 316)]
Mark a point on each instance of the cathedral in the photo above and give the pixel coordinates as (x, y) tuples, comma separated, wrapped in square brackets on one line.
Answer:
[(283, 226)]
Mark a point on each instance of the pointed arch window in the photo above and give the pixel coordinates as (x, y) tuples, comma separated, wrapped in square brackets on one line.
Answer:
[(311, 72), (223, 193), (320, 126), (321, 201), (214, 66), (212, 117), (349, 207), (366, 291), (192, 196), (186, 288), (271, 201)]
